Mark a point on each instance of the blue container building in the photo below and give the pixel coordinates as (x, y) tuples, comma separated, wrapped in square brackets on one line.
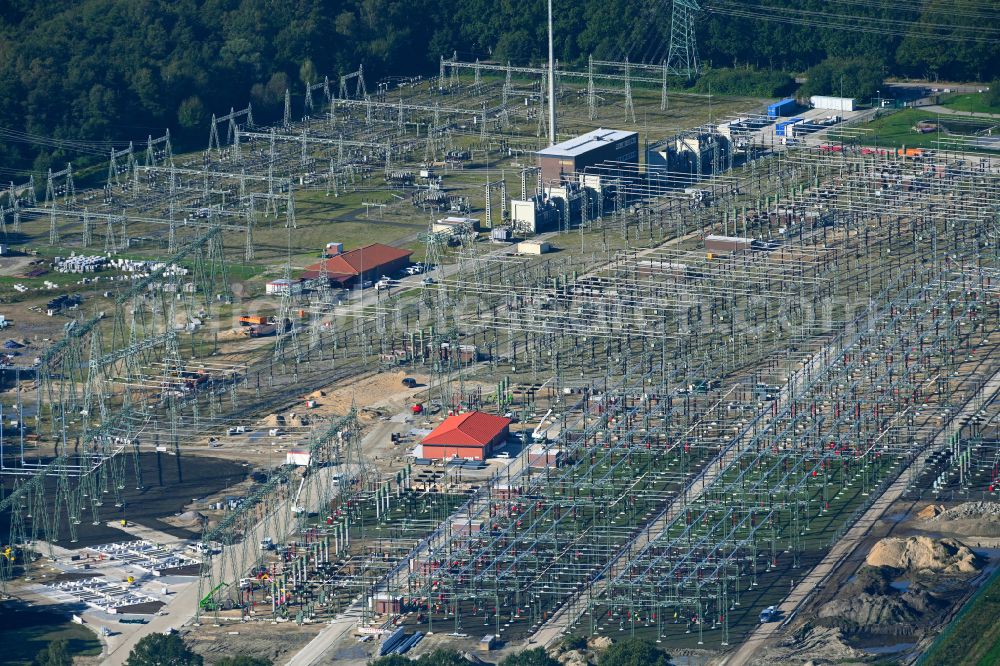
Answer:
[(780, 128), (785, 107)]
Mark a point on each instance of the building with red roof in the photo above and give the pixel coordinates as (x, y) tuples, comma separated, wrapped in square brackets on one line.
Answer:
[(472, 435), (370, 262)]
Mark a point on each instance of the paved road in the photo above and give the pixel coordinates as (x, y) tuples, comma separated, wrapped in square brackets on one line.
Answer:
[(927, 85), (944, 110), (316, 649), (843, 548)]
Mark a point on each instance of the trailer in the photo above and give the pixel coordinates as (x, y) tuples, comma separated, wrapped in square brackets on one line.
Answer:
[(832, 103), (785, 107), (262, 330)]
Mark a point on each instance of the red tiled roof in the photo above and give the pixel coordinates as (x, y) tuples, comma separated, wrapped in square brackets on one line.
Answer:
[(470, 429), (361, 260)]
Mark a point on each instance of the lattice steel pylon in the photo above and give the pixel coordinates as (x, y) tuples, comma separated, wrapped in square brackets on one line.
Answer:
[(682, 57)]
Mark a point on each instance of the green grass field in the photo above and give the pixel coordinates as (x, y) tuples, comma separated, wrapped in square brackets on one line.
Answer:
[(973, 638), (322, 219), (897, 130), (971, 103), (26, 631)]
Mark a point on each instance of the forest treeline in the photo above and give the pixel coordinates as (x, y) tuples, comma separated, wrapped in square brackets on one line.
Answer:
[(114, 70)]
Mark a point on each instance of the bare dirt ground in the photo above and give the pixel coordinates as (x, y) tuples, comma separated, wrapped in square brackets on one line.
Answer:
[(819, 645), (32, 325), (261, 639), (974, 522), (14, 266), (376, 396), (384, 390)]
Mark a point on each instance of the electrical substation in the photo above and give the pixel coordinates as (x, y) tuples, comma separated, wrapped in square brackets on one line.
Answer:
[(719, 341)]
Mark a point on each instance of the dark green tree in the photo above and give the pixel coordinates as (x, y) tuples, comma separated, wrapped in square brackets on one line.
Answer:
[(106, 70), (439, 657), (942, 44), (634, 652), (393, 660), (442, 657), (191, 112), (533, 657), (162, 650), (993, 96), (855, 77)]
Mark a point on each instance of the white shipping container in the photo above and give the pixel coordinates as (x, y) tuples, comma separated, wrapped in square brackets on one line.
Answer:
[(832, 103)]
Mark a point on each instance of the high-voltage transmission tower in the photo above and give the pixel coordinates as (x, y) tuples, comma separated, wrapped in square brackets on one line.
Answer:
[(682, 58)]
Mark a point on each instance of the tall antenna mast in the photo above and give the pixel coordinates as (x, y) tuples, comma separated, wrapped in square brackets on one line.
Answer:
[(552, 84)]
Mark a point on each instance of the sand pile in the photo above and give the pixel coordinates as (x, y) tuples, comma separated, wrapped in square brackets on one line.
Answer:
[(578, 652), (577, 658), (190, 518), (599, 643), (869, 610), (232, 334), (930, 511), (272, 421), (981, 519), (976, 510), (819, 645), (869, 602), (382, 389), (922, 553)]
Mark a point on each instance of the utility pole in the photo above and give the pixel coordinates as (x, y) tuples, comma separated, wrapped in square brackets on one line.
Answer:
[(552, 84)]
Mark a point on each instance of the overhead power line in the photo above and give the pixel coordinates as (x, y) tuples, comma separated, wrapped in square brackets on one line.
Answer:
[(853, 23)]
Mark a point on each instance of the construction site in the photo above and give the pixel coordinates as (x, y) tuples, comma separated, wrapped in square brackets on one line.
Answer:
[(497, 356)]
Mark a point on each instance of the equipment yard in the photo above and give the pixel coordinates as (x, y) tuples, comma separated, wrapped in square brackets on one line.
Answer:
[(741, 367)]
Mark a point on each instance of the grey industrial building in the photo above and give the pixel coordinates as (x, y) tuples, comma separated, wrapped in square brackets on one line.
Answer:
[(599, 151)]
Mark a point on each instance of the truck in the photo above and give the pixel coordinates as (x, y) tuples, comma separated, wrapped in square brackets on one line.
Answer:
[(262, 330), (253, 320)]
